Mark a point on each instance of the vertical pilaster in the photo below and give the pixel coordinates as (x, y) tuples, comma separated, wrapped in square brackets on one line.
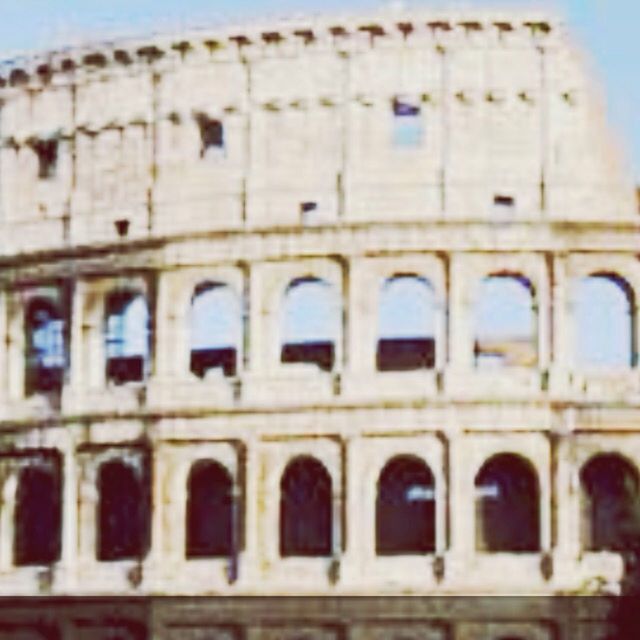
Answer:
[(70, 514)]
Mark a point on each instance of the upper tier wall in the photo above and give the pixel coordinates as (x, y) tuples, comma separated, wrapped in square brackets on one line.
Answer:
[(407, 116)]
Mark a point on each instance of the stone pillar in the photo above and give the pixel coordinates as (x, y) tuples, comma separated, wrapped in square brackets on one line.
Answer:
[(164, 336), (460, 316), (77, 336), (362, 319), (254, 512), (566, 488), (86, 477), (561, 364), (15, 346), (4, 344), (359, 528), (461, 510), (156, 558), (256, 325), (545, 318), (70, 514)]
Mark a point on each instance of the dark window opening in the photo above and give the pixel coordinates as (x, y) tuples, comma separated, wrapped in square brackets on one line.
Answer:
[(609, 503), (406, 324), (127, 339), (405, 354), (504, 201), (322, 354), (507, 506), (311, 323), (211, 133), (305, 509), (47, 152), (45, 357), (403, 108), (209, 511), (123, 512), (203, 360), (38, 517), (505, 322), (605, 323), (408, 128), (405, 508)]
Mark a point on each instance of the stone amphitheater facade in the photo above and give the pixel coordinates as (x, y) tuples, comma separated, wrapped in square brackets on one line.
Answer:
[(153, 483)]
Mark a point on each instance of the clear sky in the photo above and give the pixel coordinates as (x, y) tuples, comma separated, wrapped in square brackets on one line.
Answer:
[(608, 29)]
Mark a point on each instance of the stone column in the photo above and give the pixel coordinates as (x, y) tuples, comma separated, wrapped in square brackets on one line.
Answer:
[(15, 346), (70, 513), (77, 337), (362, 319), (561, 364), (254, 505), (360, 530), (461, 511), (460, 316)]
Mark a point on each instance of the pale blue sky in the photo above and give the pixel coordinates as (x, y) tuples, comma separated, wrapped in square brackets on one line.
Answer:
[(608, 28)]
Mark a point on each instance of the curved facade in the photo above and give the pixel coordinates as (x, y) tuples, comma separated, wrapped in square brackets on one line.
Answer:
[(340, 307)]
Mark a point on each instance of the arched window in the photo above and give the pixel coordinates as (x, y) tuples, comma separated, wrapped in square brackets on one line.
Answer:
[(507, 505), (123, 511), (311, 323), (127, 337), (406, 324), (45, 349), (505, 322), (604, 323), (38, 515), (610, 508), (405, 508), (209, 511), (216, 329), (305, 509)]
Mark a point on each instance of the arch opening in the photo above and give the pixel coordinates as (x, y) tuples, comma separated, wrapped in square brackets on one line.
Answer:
[(406, 324), (507, 505), (45, 348), (505, 323), (210, 521), (216, 330), (38, 514), (128, 337), (311, 323), (123, 511), (306, 509), (609, 501), (405, 508), (604, 322)]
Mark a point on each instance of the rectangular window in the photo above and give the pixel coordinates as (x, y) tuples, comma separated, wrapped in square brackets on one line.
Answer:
[(408, 127)]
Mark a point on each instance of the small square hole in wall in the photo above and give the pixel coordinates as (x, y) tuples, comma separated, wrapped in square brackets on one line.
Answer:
[(308, 212), (407, 126), (504, 203)]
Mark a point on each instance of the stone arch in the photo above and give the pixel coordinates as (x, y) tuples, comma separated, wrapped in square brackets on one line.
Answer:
[(38, 513), (405, 507), (210, 511), (505, 321), (609, 502), (127, 336), (215, 329), (123, 511), (604, 321), (311, 323), (306, 509), (406, 324), (507, 497), (45, 356)]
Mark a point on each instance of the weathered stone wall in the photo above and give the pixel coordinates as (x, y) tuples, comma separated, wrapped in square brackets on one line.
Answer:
[(515, 172)]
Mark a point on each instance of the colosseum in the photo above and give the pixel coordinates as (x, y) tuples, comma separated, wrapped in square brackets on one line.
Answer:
[(329, 307)]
